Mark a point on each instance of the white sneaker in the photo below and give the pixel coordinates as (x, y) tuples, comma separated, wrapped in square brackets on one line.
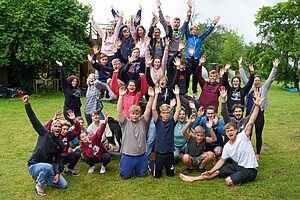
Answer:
[(91, 169), (102, 170)]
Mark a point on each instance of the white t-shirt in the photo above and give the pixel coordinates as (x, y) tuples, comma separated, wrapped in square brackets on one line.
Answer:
[(241, 151)]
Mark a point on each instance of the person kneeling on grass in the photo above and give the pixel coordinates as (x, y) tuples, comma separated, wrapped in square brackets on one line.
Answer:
[(239, 149), (134, 136), (45, 163), (196, 157), (93, 150)]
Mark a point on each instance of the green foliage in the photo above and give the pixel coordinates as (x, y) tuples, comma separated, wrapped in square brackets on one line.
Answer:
[(33, 34), (279, 27)]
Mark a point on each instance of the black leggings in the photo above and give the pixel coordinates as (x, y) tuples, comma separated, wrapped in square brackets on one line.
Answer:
[(259, 126), (105, 159), (72, 158)]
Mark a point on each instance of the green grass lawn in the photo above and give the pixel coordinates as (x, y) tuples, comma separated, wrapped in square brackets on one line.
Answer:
[(278, 176)]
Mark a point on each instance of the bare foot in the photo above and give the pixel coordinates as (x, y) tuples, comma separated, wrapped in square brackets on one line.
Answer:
[(257, 157), (186, 178)]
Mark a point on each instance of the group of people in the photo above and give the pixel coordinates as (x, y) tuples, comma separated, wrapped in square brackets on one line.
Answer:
[(130, 67)]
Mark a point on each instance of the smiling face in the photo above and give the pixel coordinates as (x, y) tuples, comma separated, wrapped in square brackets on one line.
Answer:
[(212, 77), (110, 30), (193, 30), (235, 82), (156, 63), (182, 116), (156, 33), (131, 86), (210, 114), (74, 82), (56, 127), (103, 60), (126, 33), (238, 113), (95, 117), (84, 138), (141, 32), (135, 53), (257, 82), (64, 130), (176, 24)]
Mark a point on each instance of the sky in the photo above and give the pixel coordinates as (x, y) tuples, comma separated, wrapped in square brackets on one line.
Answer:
[(238, 15)]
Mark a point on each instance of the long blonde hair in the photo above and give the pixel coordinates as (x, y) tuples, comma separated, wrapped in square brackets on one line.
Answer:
[(90, 77)]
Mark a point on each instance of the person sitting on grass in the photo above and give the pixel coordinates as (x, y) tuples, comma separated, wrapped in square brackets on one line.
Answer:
[(165, 125), (95, 125), (239, 149), (68, 155), (93, 150), (45, 163), (134, 132), (180, 144), (196, 156)]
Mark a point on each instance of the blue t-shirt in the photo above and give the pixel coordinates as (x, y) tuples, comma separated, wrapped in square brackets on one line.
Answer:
[(165, 135)]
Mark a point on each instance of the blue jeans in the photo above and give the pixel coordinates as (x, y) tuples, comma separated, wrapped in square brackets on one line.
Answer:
[(151, 137), (131, 164), (43, 174), (178, 150)]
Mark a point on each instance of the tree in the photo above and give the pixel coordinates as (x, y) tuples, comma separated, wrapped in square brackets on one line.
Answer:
[(279, 27), (33, 34)]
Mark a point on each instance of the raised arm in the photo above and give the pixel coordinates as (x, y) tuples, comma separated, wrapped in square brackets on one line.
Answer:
[(38, 127), (178, 106), (114, 83), (63, 77), (225, 77), (161, 16), (119, 25), (147, 113), (97, 27), (188, 126), (165, 56), (272, 75), (224, 112), (242, 71), (200, 78), (121, 116), (210, 29), (101, 129), (213, 137), (248, 86), (257, 100), (154, 105)]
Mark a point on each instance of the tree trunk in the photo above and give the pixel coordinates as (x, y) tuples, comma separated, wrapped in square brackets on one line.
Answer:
[(297, 74)]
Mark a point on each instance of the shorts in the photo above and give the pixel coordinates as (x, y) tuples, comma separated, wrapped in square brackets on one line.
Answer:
[(196, 161), (238, 174)]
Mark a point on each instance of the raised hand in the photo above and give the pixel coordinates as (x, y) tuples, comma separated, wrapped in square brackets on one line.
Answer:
[(251, 68), (149, 61), (173, 102), (221, 72), (209, 123), (192, 118), (181, 45), (202, 59), (192, 105), (177, 62), (157, 89), (71, 114), (155, 19), (57, 115), (190, 3), (158, 4), (215, 119), (167, 41), (176, 90), (25, 99), (118, 43), (167, 18), (121, 15), (191, 50), (90, 58), (137, 19), (276, 62), (151, 91), (96, 49), (140, 6), (122, 91), (227, 66), (201, 111), (131, 59), (215, 21), (147, 40), (240, 61), (223, 92), (58, 63), (257, 100)]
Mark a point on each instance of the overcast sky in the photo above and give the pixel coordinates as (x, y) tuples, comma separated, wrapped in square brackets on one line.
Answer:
[(235, 14)]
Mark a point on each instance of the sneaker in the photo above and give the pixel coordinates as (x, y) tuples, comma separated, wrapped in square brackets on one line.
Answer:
[(102, 170), (187, 171), (70, 172), (91, 169)]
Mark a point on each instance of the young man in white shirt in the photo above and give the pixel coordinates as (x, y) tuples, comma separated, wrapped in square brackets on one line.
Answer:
[(239, 149)]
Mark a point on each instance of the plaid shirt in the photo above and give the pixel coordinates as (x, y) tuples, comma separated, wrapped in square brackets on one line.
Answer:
[(92, 101)]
